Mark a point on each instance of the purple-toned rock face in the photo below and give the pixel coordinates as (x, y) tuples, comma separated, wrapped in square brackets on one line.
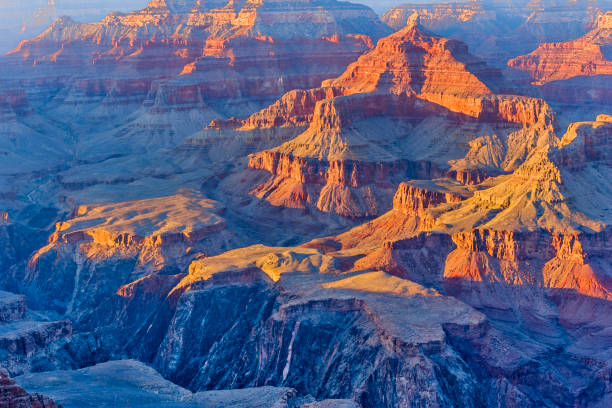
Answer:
[(294, 203), (13, 396)]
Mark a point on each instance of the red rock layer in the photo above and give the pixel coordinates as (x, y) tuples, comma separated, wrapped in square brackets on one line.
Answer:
[(350, 188), (416, 60), (13, 396), (222, 49), (555, 261), (585, 56), (567, 252), (410, 75), (576, 262), (413, 199), (586, 143), (295, 108), (498, 31)]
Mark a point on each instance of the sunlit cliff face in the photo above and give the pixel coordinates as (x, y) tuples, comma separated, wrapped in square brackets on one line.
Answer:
[(585, 56), (293, 204), (23, 19), (412, 84)]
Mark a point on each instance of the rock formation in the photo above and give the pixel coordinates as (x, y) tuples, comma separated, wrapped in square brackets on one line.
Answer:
[(137, 385), (280, 204), (173, 66), (552, 65), (29, 342), (12, 307), (343, 163), (106, 246), (13, 396), (585, 56), (500, 30)]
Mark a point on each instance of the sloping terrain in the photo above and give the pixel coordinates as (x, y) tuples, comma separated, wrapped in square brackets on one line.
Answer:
[(283, 203), (568, 71), (500, 30), (400, 114)]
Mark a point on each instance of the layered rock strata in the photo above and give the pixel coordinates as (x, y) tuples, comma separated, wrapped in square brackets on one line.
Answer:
[(498, 31), (389, 125), (563, 69), (13, 396), (173, 66), (105, 246)]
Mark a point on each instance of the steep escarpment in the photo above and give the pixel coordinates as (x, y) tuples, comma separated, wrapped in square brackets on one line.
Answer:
[(563, 261), (12, 307), (139, 386), (550, 189), (407, 59), (562, 69), (585, 56), (498, 31), (278, 123), (534, 260), (291, 316), (172, 67), (280, 327), (285, 331), (543, 226), (474, 301), (327, 166), (408, 233), (401, 117), (106, 246), (11, 395), (29, 341)]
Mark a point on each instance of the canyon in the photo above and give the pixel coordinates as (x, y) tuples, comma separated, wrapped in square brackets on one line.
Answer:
[(341, 165), (292, 203), (565, 70)]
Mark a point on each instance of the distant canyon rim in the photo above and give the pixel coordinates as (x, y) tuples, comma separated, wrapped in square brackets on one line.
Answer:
[(306, 203)]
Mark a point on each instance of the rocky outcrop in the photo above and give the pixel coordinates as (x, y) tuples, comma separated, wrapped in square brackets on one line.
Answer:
[(484, 279), (586, 143), (284, 334), (13, 396), (18, 242), (350, 188), (295, 108), (585, 56), (34, 345), (410, 60), (285, 328), (202, 40), (274, 125), (413, 199), (575, 70), (139, 385), (405, 62), (498, 31), (548, 191), (358, 146), (148, 79), (570, 261), (107, 246), (20, 21), (12, 307), (29, 341)]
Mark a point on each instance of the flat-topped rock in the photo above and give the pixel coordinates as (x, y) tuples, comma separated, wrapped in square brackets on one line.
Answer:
[(405, 310), (185, 213)]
